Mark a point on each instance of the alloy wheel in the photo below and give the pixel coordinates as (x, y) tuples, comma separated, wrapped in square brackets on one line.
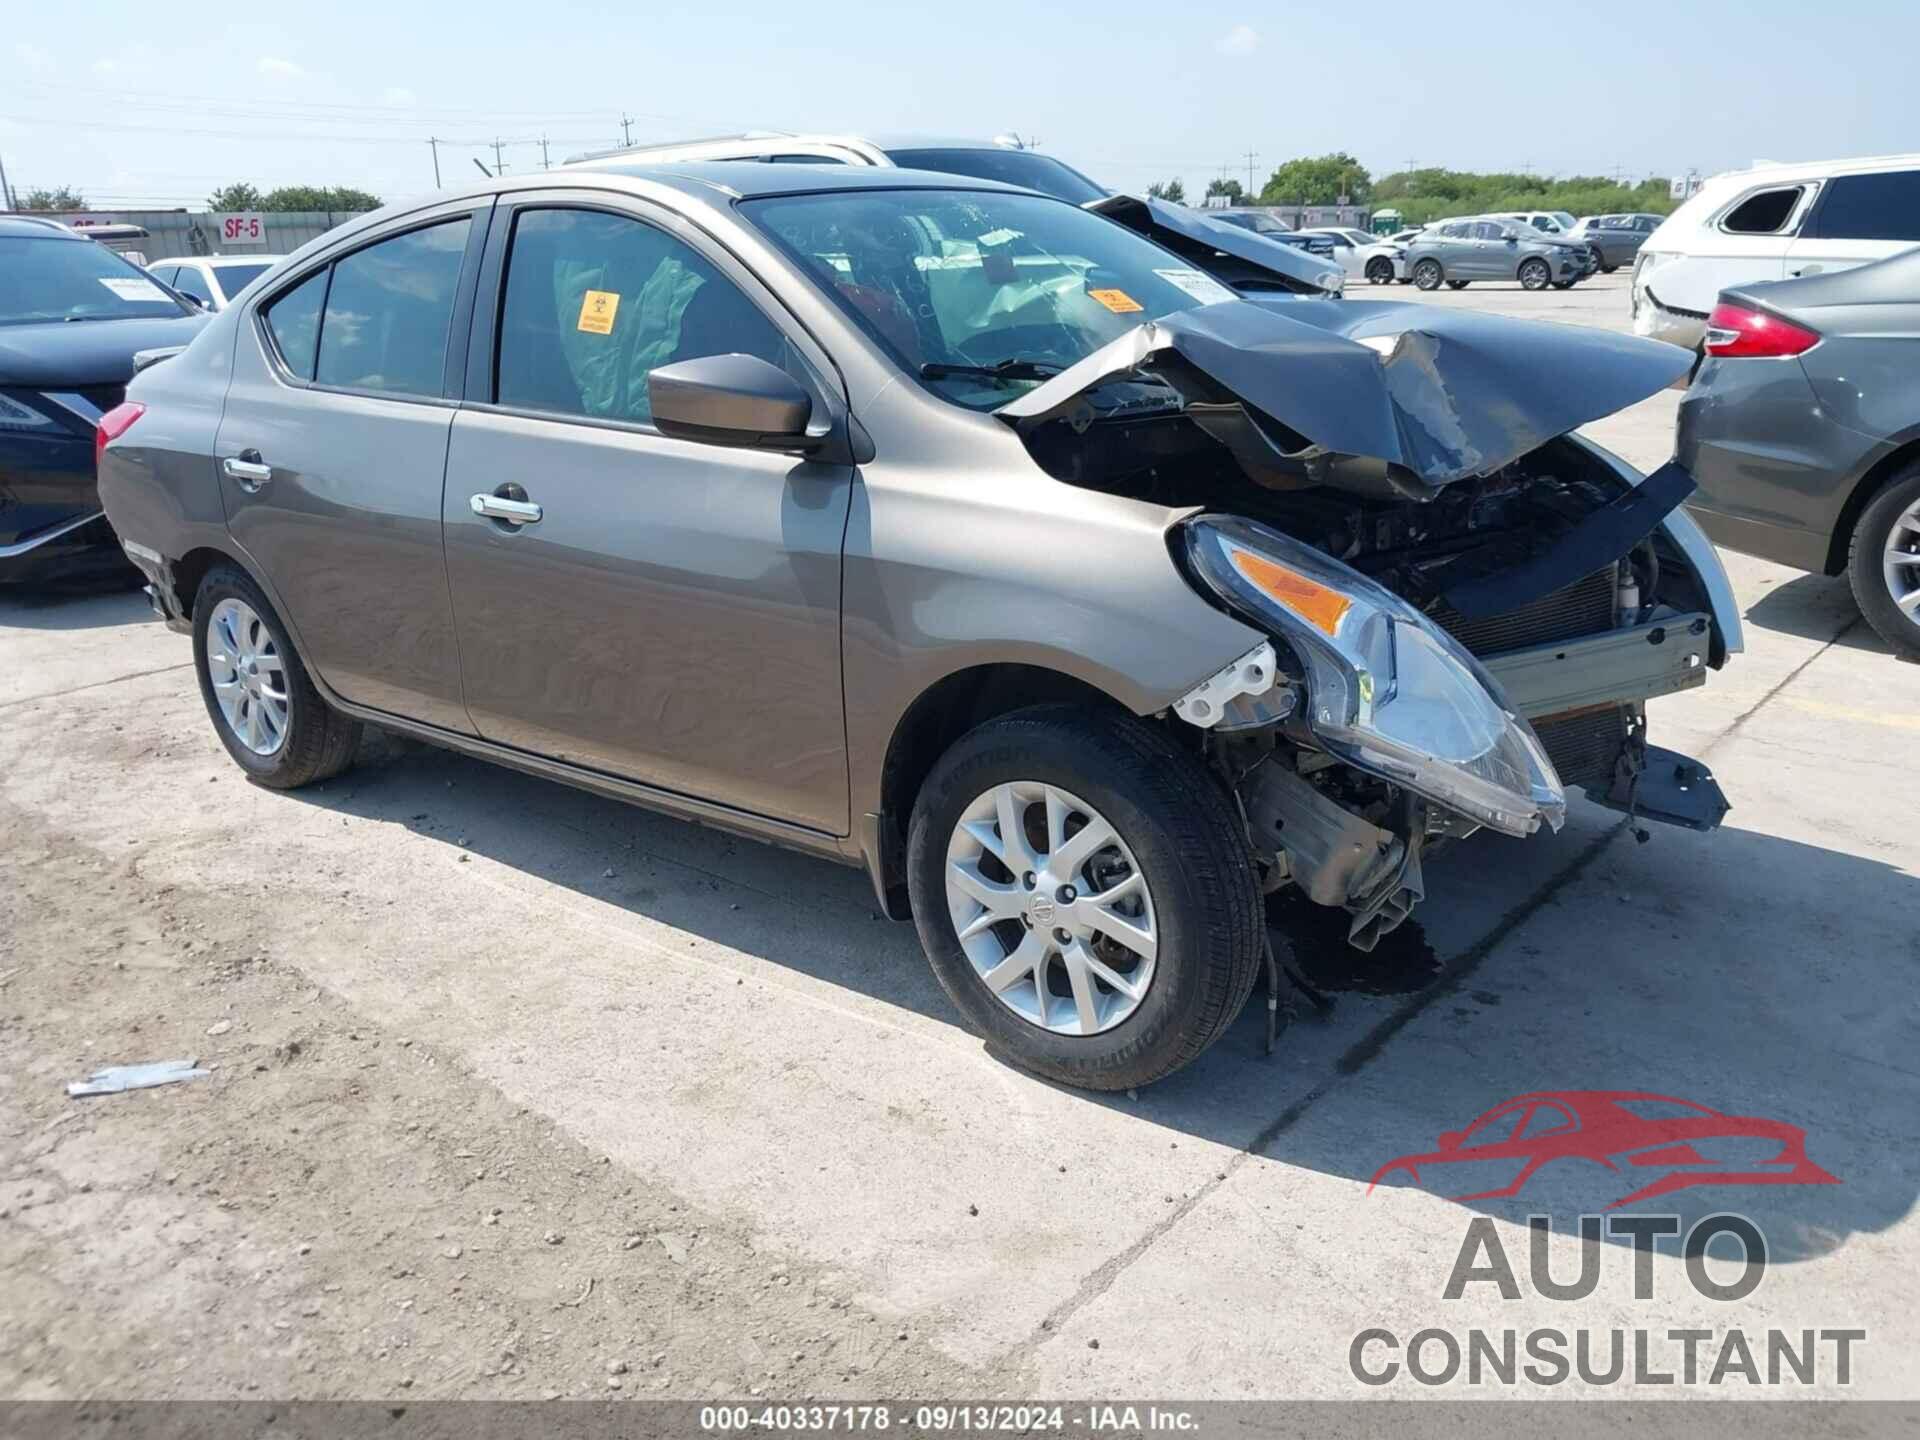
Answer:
[(248, 675), (1051, 908), (1427, 275), (1534, 275), (1902, 562)]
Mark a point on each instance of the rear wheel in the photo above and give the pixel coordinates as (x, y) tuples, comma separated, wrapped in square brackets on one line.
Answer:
[(1534, 274), (1884, 563), (1458, 284), (1380, 270), (263, 705), (1084, 892), (1428, 274)]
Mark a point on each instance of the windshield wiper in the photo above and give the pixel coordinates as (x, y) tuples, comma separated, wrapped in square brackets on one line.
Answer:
[(1014, 369)]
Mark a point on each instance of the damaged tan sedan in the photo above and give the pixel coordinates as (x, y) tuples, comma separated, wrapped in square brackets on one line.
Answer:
[(1081, 580)]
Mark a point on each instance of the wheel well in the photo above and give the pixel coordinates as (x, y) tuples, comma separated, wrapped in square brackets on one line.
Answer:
[(1870, 485), (190, 569), (948, 709)]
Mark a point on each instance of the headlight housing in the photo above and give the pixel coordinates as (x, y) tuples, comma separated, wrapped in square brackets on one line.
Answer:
[(1387, 691)]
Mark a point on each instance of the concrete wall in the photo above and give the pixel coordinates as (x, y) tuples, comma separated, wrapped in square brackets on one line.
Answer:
[(184, 232)]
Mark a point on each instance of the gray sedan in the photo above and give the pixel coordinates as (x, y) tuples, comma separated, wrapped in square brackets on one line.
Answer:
[(1458, 252), (1803, 429)]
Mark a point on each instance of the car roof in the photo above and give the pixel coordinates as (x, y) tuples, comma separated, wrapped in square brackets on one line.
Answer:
[(218, 260), (766, 141), (749, 179), (37, 228)]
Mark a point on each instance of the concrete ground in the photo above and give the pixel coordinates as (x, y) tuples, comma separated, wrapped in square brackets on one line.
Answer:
[(746, 1108)]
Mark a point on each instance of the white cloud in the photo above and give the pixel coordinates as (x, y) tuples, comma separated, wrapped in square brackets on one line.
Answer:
[(274, 65), (37, 61), (1241, 40), (105, 67), (398, 95)]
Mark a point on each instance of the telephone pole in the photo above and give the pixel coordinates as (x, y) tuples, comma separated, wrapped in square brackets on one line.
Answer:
[(6, 191), (626, 128), (499, 165), (433, 144), (543, 154), (1252, 155)]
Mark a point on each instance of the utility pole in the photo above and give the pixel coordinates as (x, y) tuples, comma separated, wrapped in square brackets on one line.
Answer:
[(6, 191), (626, 128), (1252, 155), (499, 165), (433, 144), (543, 154)]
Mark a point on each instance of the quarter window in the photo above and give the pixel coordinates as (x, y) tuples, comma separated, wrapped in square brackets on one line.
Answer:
[(1764, 214), (595, 302), (294, 322), (388, 312), (1870, 207)]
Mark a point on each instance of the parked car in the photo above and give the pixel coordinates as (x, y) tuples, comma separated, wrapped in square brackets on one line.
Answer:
[(1556, 223), (983, 542), (212, 281), (1257, 261), (1273, 228), (1776, 222), (57, 377), (1459, 252), (1616, 239), (1803, 429), (1364, 256)]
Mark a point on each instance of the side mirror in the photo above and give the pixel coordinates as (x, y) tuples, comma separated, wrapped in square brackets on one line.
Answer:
[(1450, 1140), (735, 400)]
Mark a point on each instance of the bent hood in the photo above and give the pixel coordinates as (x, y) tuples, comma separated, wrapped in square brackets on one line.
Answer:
[(1238, 257), (93, 352), (1434, 395)]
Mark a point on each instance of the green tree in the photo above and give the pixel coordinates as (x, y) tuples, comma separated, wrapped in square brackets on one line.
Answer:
[(319, 197), (63, 197), (1435, 194), (1318, 180), (1232, 189), (1171, 191), (237, 196)]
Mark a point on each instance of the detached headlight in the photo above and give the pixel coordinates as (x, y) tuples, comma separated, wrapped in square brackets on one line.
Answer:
[(1387, 691), (1331, 280), (15, 416)]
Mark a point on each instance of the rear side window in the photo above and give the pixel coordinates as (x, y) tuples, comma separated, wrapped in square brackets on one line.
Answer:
[(1764, 214), (1870, 207), (596, 302), (388, 312), (294, 322)]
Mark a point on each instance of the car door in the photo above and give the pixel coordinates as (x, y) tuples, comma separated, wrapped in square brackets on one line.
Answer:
[(1858, 219), (1493, 257), (1453, 248), (670, 613), (332, 453)]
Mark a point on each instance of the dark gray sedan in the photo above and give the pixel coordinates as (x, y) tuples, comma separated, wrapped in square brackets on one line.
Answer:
[(1616, 239), (1803, 429)]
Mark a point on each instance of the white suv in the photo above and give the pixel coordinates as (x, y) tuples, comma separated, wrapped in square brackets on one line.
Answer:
[(1771, 223)]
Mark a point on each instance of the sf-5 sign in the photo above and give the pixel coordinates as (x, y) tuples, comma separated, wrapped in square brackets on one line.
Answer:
[(241, 228)]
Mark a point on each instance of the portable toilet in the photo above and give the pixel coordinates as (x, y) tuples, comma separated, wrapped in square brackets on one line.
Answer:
[(1385, 222)]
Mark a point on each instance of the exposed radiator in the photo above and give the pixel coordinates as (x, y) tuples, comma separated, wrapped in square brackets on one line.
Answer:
[(1584, 744), (1582, 608)]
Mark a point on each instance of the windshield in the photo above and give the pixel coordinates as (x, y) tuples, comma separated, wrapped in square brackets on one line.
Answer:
[(235, 278), (953, 283), (1259, 224), (62, 279), (1011, 167)]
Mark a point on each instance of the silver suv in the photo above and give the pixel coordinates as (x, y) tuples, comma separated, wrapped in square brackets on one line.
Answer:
[(939, 528), (1458, 252)]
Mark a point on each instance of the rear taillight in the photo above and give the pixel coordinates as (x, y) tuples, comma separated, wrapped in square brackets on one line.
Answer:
[(1742, 331), (115, 423)]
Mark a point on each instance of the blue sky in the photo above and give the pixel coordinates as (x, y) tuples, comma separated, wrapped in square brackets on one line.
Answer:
[(100, 94)]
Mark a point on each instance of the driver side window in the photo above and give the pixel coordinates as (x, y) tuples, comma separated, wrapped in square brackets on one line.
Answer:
[(595, 302)]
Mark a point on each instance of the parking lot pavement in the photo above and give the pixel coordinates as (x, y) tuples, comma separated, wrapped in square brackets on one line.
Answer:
[(771, 1069)]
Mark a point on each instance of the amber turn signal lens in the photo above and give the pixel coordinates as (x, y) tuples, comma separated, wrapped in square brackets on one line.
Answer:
[(1311, 601)]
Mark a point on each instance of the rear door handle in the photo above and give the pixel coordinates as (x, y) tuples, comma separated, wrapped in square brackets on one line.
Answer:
[(513, 512), (248, 469)]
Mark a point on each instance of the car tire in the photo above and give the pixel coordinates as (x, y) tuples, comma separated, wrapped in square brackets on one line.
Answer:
[(1174, 827), (1564, 284), (1428, 274), (284, 735), (1458, 284), (1380, 271), (1606, 269), (1890, 526), (1534, 274)]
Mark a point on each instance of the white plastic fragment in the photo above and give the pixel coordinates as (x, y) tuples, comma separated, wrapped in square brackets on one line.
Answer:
[(1252, 674), (116, 1078)]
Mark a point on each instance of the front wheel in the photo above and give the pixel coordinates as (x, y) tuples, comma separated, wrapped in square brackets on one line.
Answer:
[(264, 707), (1084, 891), (1563, 284), (1883, 564), (1428, 274), (1534, 274), (1458, 284), (1380, 271)]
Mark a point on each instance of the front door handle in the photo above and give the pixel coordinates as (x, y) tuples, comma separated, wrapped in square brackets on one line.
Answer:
[(248, 469), (500, 507)]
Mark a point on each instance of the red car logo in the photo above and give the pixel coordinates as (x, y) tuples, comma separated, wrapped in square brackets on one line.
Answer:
[(1626, 1131)]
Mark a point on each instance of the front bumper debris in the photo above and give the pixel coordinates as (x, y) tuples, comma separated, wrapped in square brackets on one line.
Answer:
[(1667, 787)]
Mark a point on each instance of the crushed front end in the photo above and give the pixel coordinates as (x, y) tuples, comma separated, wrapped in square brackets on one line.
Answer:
[(1467, 607)]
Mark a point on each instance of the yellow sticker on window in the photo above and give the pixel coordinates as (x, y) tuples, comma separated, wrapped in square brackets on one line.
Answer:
[(1118, 301), (597, 309)]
